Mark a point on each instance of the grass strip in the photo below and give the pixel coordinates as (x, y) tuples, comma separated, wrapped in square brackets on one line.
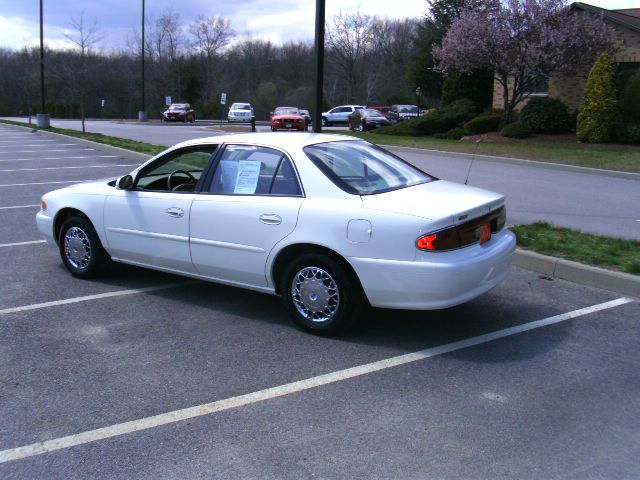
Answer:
[(593, 156), (598, 250), (134, 145)]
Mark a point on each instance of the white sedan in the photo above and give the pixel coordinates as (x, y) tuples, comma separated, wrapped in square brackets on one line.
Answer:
[(330, 223)]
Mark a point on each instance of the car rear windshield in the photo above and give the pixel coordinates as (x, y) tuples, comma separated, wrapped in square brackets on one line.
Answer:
[(361, 168)]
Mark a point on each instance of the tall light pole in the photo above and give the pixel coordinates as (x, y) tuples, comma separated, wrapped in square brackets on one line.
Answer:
[(142, 114), (319, 47), (43, 118)]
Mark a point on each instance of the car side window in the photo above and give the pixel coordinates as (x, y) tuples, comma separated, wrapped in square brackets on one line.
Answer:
[(178, 171), (252, 170)]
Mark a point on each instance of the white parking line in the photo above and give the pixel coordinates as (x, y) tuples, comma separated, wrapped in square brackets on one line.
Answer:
[(42, 183), (55, 158), (22, 139), (17, 244), (39, 145), (63, 168), (117, 293), (286, 389), (18, 206), (45, 150)]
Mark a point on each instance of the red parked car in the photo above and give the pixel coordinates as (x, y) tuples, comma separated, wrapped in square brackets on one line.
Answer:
[(287, 118), (179, 112), (383, 110)]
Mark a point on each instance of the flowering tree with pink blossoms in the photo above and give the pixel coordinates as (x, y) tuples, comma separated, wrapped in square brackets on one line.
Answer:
[(523, 41)]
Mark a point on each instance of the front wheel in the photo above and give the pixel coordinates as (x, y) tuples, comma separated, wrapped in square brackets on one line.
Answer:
[(325, 122), (321, 295), (80, 248)]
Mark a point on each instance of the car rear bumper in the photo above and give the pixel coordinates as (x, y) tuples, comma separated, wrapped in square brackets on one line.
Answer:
[(436, 280)]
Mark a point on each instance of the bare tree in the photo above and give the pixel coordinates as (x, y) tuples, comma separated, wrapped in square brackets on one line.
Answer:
[(349, 37), (210, 36), (85, 38)]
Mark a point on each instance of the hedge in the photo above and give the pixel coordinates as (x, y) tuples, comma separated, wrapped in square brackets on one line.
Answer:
[(546, 115), (600, 112)]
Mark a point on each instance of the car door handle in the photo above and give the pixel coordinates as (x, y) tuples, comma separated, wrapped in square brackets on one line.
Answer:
[(175, 212), (270, 219)]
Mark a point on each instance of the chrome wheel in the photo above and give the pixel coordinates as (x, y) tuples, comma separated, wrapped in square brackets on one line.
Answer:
[(77, 248), (315, 294)]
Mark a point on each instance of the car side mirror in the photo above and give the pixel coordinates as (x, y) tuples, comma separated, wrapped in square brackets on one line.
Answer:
[(125, 183)]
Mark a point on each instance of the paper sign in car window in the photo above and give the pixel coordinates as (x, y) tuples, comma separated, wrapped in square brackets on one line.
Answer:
[(228, 175), (248, 175)]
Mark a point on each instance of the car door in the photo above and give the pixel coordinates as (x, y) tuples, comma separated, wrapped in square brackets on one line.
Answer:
[(251, 203), (149, 224)]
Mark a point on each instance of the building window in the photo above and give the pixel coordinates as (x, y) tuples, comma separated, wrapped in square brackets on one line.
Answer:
[(540, 87)]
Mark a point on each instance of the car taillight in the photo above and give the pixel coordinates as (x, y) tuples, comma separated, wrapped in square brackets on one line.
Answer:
[(477, 230), (447, 239)]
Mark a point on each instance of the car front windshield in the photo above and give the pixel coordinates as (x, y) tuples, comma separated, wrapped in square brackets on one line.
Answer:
[(286, 111), (408, 109), (361, 168), (178, 107), (240, 106), (370, 113)]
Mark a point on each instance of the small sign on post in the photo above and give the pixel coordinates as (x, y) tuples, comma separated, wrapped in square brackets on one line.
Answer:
[(167, 100), (102, 103), (223, 99)]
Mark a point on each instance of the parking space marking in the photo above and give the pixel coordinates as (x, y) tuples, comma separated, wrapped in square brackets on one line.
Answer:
[(17, 244), (97, 296), (39, 145), (62, 168), (55, 158), (146, 423), (18, 206), (47, 150), (43, 183)]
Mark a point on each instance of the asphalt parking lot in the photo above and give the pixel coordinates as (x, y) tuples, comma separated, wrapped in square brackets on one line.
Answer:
[(146, 375)]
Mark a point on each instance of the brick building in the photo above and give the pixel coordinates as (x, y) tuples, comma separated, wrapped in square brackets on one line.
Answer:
[(570, 89)]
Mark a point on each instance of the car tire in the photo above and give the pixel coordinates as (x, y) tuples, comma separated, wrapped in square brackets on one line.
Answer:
[(325, 122), (321, 295), (80, 248)]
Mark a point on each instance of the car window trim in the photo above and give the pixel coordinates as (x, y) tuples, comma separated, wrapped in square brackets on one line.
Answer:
[(174, 153), (213, 165)]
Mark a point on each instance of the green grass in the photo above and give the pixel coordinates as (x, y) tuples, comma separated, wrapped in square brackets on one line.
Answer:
[(133, 145), (609, 157), (598, 250)]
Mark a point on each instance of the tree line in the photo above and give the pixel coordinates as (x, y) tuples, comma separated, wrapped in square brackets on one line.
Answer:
[(367, 61)]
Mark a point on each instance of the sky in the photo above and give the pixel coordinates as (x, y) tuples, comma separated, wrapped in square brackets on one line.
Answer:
[(275, 20)]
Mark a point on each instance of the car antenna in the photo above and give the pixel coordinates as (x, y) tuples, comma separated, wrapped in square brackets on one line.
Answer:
[(473, 157)]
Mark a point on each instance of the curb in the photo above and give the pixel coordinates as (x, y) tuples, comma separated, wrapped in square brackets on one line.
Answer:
[(580, 273), (523, 162), (130, 154)]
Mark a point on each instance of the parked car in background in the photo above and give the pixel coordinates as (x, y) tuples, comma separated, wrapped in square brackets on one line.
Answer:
[(398, 113), (330, 223), (240, 112), (383, 110), (307, 116), (179, 112), (287, 118), (339, 114), (367, 119)]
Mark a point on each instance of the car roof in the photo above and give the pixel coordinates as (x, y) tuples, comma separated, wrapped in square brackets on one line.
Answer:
[(270, 139)]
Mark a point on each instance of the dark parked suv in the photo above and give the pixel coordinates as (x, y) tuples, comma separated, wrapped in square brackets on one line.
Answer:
[(398, 113)]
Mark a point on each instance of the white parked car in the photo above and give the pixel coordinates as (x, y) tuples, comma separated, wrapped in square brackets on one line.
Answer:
[(339, 114), (240, 112), (328, 222)]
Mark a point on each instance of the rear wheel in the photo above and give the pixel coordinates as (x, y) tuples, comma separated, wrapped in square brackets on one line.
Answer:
[(325, 122), (80, 248), (321, 295)]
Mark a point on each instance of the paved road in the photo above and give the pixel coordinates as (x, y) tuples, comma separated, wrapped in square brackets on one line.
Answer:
[(598, 204), (555, 402)]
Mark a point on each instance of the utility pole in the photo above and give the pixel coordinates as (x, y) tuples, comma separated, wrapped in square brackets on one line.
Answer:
[(42, 117), (142, 114), (319, 47)]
